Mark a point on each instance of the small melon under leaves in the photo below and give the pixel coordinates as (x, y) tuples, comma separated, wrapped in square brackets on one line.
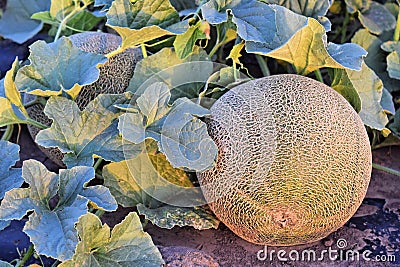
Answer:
[(114, 78)]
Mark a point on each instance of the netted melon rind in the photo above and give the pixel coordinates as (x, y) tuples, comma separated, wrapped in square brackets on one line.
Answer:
[(294, 160), (114, 79)]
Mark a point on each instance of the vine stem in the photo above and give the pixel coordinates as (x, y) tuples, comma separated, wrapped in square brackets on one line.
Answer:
[(37, 124), (35, 101), (385, 169), (7, 134), (97, 164), (144, 50), (318, 75), (344, 27), (217, 43), (64, 22), (160, 42), (26, 256), (396, 34), (263, 65), (99, 213), (115, 52)]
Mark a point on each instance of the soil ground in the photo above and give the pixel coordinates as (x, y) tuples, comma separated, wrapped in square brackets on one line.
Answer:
[(375, 227)]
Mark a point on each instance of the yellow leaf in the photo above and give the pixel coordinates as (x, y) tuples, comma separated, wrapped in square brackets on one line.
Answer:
[(11, 91), (386, 132), (133, 37), (230, 35), (306, 50), (235, 53)]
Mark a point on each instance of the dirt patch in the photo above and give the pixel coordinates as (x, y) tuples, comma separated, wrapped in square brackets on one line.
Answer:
[(375, 227)]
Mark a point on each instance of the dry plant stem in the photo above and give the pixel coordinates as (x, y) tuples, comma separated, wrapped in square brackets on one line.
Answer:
[(7, 134), (26, 256), (385, 169)]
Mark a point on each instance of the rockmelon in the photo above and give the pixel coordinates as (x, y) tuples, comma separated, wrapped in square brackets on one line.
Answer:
[(294, 160), (114, 78)]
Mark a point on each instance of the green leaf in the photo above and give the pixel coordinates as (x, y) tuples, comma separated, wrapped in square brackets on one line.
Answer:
[(392, 59), (58, 67), (391, 46), (221, 80), (81, 22), (123, 186), (369, 88), (184, 77), (376, 58), (9, 177), (316, 9), (355, 5), (70, 16), (342, 84), (153, 103), (60, 9), (83, 134), (255, 21), (169, 216), (3, 225), (277, 32), (45, 17), (51, 229), (181, 136), (393, 8), (11, 108), (313, 8), (5, 264), (307, 50), (144, 20), (395, 125), (16, 23), (387, 102), (184, 43), (149, 181), (126, 245), (377, 18), (105, 3)]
